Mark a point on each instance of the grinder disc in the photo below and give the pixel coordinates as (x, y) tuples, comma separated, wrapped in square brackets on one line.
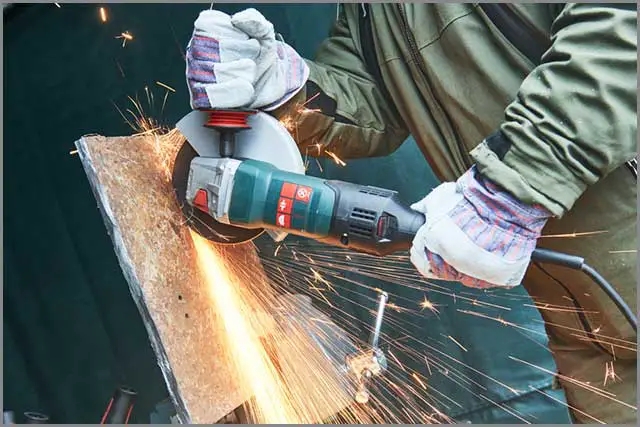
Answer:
[(204, 224), (266, 140)]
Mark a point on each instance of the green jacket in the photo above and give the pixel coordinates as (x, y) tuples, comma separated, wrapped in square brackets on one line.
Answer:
[(559, 133), (451, 79)]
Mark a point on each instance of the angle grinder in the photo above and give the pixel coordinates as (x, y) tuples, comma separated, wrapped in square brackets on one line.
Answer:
[(240, 173)]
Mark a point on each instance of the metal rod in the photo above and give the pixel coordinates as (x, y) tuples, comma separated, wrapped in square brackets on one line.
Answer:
[(227, 143), (382, 302)]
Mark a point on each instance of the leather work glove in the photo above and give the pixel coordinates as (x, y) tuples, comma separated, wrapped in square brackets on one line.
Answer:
[(236, 62), (475, 233)]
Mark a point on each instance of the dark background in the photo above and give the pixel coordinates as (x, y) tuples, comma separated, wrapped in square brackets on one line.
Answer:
[(71, 330)]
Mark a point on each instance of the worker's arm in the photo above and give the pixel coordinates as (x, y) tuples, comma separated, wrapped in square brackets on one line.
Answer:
[(341, 107), (574, 118), (572, 123)]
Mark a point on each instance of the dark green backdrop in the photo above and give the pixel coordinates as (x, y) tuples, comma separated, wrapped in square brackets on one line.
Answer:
[(71, 331)]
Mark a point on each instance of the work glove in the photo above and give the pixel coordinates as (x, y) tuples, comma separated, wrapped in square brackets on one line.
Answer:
[(236, 62), (476, 233)]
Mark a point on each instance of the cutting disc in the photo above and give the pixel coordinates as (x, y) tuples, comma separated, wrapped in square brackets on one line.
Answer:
[(267, 140)]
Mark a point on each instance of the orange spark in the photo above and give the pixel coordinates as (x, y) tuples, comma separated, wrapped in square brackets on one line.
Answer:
[(258, 372), (166, 86), (427, 362), (455, 341), (428, 304), (609, 373), (393, 306), (335, 158), (559, 309), (317, 277), (103, 14), (311, 99), (396, 359), (574, 234), (417, 378), (584, 385), (125, 36), (305, 110), (288, 122)]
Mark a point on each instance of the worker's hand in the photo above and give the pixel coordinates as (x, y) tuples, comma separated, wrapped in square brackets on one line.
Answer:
[(475, 233), (236, 61)]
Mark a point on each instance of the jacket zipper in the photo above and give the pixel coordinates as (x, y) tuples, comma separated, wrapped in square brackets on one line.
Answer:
[(446, 129)]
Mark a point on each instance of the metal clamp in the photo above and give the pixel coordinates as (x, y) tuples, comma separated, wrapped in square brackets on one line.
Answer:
[(371, 362)]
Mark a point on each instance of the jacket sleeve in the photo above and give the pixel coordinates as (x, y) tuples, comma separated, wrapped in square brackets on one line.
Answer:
[(574, 118), (341, 109)]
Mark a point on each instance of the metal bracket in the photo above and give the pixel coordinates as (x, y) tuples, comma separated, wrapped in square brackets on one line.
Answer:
[(372, 362)]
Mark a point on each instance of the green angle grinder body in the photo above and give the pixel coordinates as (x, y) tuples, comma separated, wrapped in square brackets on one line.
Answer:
[(240, 134), (199, 221)]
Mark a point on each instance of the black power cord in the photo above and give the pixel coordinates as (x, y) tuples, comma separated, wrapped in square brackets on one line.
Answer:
[(577, 263)]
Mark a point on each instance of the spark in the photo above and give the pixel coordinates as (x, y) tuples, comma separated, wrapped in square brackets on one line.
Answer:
[(288, 122), (335, 158), (305, 110), (566, 404), (164, 101), (120, 68), (317, 277), (318, 147), (610, 373), (311, 99), (455, 341), (396, 360), (275, 253), (395, 307), (146, 91), (73, 152), (311, 286), (57, 4), (125, 36), (574, 234), (502, 321), (628, 251), (559, 309), (257, 370), (428, 304), (427, 363), (579, 383), (166, 86), (417, 378), (613, 352), (103, 14)]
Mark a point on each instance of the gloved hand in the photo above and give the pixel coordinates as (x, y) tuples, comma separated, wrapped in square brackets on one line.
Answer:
[(476, 233), (236, 61)]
